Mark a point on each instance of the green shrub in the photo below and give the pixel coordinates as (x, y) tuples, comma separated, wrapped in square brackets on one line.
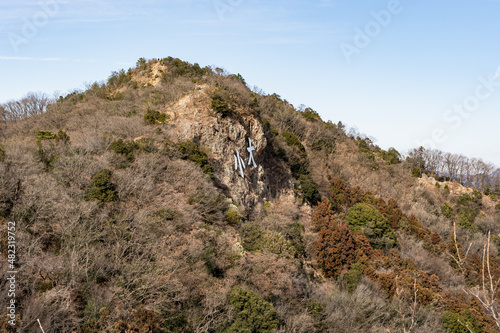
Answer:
[(125, 148), (293, 233), (417, 172), (487, 190), (438, 185), (62, 136), (46, 153), (101, 188), (456, 323), (299, 164), (183, 68), (233, 215), (44, 135), (146, 145), (256, 239), (369, 154), (466, 217), (476, 195), (238, 77), (473, 198), (292, 140), (154, 117), (296, 158), (141, 63), (373, 224), (447, 188), (190, 151), (392, 156), (352, 277), (276, 243), (328, 144), (49, 135), (310, 115), (251, 236), (254, 104), (310, 192), (497, 207), (219, 103), (120, 78), (315, 309), (94, 314), (447, 211), (267, 206), (253, 314)]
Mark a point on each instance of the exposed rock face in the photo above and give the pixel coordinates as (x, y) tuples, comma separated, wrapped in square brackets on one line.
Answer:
[(455, 188), (192, 119)]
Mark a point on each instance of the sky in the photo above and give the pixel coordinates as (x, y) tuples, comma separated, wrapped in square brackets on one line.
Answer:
[(406, 73)]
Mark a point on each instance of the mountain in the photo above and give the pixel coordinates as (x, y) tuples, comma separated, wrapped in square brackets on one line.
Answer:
[(172, 198)]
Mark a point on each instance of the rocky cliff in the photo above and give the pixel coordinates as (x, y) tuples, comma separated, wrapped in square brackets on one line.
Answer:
[(227, 141)]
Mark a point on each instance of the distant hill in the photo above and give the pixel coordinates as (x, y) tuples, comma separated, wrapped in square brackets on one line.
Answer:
[(172, 198)]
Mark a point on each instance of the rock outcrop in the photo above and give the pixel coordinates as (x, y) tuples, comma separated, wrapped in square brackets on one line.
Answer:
[(192, 119)]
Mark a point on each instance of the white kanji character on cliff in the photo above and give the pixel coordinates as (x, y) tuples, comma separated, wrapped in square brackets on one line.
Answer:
[(239, 163), (250, 150)]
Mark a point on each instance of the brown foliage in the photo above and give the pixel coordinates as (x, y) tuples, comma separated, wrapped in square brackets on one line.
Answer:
[(342, 196), (323, 214), (393, 214), (337, 247), (435, 238)]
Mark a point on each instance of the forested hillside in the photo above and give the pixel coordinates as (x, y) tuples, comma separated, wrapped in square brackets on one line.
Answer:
[(173, 198)]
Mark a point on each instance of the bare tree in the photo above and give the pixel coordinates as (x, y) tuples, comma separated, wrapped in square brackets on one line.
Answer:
[(407, 312), (471, 172), (483, 172), (487, 293), (460, 258), (34, 103), (451, 164), (495, 181), (467, 170), (462, 166), (417, 159), (474, 167), (433, 160)]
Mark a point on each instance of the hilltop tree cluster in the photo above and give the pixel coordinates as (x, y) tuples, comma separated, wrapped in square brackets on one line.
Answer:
[(470, 172), (32, 104)]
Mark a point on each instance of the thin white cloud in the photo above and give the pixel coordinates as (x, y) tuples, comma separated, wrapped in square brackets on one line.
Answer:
[(31, 59)]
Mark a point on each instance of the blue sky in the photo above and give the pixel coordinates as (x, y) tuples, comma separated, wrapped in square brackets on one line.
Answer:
[(403, 83)]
